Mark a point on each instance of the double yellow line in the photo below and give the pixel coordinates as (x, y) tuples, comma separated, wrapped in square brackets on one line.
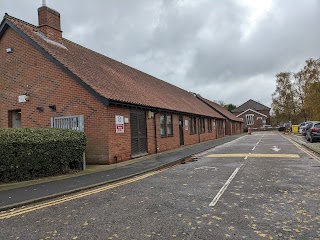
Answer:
[(308, 152), (21, 211)]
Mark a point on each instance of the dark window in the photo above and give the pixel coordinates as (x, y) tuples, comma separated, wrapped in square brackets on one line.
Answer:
[(166, 126), (14, 119), (169, 125), (162, 125), (209, 125), (193, 125), (202, 125)]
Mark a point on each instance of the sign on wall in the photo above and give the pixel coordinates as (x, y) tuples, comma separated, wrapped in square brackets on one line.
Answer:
[(22, 98), (186, 125), (119, 124)]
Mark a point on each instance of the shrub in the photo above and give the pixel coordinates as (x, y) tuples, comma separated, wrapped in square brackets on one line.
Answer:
[(32, 153)]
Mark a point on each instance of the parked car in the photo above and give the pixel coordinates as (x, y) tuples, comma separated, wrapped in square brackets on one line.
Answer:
[(313, 131), (302, 128)]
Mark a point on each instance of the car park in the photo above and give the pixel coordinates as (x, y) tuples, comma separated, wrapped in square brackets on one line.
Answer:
[(313, 131)]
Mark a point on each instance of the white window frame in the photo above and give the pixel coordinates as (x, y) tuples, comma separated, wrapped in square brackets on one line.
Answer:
[(250, 119)]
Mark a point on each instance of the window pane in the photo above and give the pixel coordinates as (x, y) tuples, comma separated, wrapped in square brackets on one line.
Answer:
[(162, 131), (169, 119), (162, 119), (169, 129)]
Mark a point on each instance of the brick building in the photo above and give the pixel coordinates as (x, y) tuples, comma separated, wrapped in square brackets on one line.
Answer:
[(49, 81), (233, 124), (253, 114)]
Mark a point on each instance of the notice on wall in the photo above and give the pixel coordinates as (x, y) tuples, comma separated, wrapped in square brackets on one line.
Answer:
[(186, 125), (22, 99), (119, 124)]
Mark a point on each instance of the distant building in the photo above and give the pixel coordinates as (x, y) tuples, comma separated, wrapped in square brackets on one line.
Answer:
[(233, 124), (253, 114)]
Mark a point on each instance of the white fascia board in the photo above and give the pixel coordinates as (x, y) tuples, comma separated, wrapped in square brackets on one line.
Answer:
[(252, 111)]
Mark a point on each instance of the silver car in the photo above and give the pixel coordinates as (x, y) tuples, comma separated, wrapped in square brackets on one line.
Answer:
[(302, 128)]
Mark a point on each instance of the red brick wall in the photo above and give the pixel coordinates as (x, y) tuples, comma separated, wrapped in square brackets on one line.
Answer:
[(207, 135), (27, 70), (120, 144), (188, 138)]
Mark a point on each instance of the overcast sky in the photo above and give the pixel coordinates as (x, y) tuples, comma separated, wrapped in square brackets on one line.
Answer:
[(227, 50)]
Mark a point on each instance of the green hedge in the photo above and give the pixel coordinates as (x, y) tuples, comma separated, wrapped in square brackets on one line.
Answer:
[(32, 153)]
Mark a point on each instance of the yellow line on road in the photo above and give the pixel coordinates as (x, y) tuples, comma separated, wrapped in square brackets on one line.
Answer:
[(311, 154), (20, 211), (256, 155)]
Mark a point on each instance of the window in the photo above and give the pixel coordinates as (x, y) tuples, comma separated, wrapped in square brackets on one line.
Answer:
[(166, 126), (249, 118), (202, 125), (209, 125), (14, 119), (193, 125), (169, 125), (162, 126)]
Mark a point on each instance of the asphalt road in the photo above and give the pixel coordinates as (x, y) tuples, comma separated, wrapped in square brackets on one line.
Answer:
[(234, 191)]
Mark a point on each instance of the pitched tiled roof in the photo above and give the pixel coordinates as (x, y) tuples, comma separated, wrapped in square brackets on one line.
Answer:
[(250, 104), (113, 80), (220, 109)]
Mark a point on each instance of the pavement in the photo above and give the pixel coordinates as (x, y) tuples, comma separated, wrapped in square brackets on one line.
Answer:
[(15, 195)]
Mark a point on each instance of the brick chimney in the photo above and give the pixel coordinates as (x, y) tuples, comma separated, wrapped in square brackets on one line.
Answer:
[(49, 23)]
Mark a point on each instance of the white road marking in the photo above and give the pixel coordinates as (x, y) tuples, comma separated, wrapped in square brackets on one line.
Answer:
[(257, 143), (217, 197), (275, 149), (205, 168), (225, 186)]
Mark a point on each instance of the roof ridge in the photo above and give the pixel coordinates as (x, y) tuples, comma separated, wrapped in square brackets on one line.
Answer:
[(7, 16), (248, 101)]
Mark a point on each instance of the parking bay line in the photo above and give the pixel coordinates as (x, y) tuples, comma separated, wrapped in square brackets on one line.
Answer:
[(225, 186)]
